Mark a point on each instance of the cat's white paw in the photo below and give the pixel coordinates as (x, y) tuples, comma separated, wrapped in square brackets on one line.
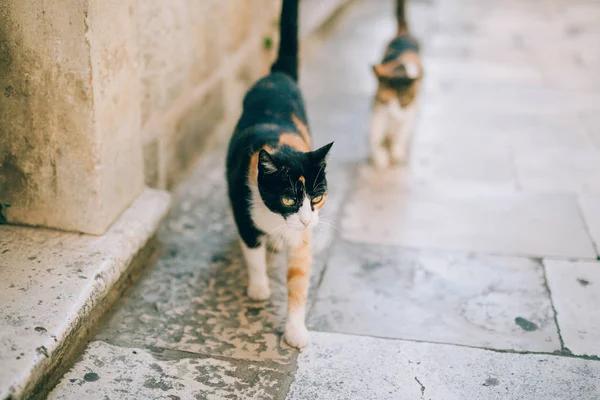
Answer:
[(259, 291), (380, 158), (297, 336), (399, 156)]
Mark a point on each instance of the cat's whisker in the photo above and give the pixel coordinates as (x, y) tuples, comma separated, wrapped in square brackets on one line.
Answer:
[(293, 186), (317, 177), (331, 225), (283, 241)]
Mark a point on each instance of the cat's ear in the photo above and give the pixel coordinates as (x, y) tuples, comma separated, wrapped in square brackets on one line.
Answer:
[(320, 155), (266, 164), (379, 70)]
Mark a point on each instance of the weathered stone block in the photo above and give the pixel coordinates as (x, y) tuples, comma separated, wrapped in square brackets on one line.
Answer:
[(151, 165), (239, 17), (207, 38), (165, 52), (63, 75), (191, 131)]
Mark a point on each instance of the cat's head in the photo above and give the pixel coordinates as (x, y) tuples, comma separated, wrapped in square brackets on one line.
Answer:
[(293, 184), (397, 80)]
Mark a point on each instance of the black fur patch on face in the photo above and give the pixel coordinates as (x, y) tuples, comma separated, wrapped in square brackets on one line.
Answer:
[(279, 176)]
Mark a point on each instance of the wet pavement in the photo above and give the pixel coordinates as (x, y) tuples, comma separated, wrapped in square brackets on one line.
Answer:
[(471, 273)]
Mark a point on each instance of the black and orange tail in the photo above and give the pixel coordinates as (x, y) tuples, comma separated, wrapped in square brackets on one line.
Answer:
[(287, 58), (401, 16)]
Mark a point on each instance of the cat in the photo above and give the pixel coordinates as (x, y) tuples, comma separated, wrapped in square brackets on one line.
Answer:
[(393, 114), (276, 184)]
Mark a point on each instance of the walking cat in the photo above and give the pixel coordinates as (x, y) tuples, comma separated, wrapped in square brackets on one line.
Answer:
[(394, 107), (276, 184)]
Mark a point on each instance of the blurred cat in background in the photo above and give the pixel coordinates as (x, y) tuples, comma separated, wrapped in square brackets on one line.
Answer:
[(394, 107)]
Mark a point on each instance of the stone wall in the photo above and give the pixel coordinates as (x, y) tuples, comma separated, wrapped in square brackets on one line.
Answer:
[(98, 97), (197, 59)]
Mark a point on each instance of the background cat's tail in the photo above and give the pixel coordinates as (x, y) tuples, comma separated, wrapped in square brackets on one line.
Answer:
[(287, 59), (401, 16)]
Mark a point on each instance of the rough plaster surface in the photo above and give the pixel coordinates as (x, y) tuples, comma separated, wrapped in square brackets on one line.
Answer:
[(349, 367), (50, 282)]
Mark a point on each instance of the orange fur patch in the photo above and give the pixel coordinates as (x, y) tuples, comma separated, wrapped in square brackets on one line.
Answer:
[(299, 264), (303, 129), (295, 141), (303, 180), (253, 167)]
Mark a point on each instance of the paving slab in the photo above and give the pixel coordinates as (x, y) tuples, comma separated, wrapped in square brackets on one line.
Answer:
[(508, 224), (591, 213), (592, 123), (475, 300), (558, 171), (341, 367), (575, 294), (113, 372), (52, 285)]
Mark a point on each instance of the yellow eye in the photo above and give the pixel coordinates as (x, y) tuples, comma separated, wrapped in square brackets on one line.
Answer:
[(288, 201), (317, 199)]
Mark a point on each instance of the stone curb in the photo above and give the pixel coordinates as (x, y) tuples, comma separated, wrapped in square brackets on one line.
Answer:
[(54, 286)]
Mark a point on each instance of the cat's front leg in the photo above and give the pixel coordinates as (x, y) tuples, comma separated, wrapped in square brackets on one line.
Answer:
[(298, 274), (377, 135), (258, 280), (401, 138)]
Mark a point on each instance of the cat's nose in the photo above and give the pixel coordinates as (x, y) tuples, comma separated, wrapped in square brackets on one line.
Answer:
[(305, 222)]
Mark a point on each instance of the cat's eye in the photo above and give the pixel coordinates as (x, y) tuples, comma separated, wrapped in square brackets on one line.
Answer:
[(317, 199), (287, 201)]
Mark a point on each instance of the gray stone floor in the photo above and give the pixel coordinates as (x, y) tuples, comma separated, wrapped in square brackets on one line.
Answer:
[(472, 273)]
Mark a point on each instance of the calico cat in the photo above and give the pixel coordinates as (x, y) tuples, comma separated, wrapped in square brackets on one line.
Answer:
[(276, 184), (394, 107)]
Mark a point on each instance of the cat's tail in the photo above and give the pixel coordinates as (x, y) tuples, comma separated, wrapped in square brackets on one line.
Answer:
[(287, 59), (401, 17)]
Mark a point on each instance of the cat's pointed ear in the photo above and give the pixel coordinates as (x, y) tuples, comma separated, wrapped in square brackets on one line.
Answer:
[(266, 164), (320, 154), (379, 70)]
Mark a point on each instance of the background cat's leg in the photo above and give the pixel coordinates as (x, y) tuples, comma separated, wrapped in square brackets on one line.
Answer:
[(258, 280), (298, 273), (377, 135), (401, 139)]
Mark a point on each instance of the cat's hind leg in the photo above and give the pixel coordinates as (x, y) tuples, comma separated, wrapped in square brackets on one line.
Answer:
[(378, 135), (401, 134)]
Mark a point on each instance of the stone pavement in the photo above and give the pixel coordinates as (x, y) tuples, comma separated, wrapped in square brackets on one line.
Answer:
[(472, 273)]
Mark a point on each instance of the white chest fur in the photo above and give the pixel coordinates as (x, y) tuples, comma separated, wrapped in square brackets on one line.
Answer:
[(390, 132)]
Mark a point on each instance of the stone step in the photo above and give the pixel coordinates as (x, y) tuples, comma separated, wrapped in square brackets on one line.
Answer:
[(55, 285)]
